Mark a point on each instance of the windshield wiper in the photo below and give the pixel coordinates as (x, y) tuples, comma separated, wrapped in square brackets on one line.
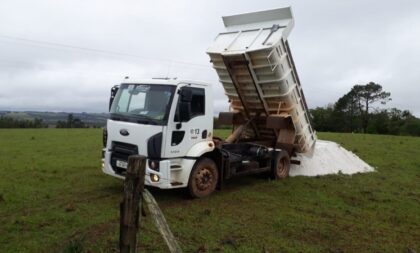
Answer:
[(146, 121), (134, 118), (119, 117), (143, 119)]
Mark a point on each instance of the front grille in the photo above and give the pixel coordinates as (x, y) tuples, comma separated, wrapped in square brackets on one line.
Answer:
[(120, 152)]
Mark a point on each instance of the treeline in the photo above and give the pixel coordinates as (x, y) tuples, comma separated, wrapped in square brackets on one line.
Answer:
[(218, 125), (8, 122), (71, 122), (354, 112)]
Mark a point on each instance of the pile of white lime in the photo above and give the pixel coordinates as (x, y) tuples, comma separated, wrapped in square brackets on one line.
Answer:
[(328, 158)]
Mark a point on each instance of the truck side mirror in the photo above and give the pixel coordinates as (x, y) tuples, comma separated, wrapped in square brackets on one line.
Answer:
[(184, 111), (114, 91)]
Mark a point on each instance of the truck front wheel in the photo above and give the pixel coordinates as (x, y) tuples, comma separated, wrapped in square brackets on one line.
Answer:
[(281, 165), (203, 178)]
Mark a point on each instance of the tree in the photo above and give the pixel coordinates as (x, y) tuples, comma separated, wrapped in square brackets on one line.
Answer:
[(322, 118), (77, 123), (379, 122), (9, 122), (61, 124), (411, 127), (365, 96), (354, 112), (71, 122), (346, 115)]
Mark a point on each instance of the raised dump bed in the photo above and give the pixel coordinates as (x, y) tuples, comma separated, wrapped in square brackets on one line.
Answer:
[(253, 61)]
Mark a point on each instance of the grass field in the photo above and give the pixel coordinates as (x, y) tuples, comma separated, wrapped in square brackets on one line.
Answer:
[(54, 198)]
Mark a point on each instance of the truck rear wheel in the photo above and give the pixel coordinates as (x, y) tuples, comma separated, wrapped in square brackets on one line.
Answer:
[(281, 165), (203, 178)]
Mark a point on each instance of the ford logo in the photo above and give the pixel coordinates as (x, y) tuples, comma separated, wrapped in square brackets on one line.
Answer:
[(124, 132)]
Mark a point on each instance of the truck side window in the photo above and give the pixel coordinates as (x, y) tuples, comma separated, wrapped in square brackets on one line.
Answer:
[(198, 104)]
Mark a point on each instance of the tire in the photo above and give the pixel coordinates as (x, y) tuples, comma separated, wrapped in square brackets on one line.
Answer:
[(281, 165), (203, 178)]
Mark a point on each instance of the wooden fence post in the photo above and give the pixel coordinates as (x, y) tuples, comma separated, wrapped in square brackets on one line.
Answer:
[(132, 203)]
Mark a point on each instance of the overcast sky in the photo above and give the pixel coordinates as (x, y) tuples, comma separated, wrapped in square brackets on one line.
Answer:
[(335, 45)]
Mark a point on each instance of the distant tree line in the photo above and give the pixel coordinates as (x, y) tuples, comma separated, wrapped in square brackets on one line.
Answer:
[(9, 122), (71, 122), (218, 125), (354, 112)]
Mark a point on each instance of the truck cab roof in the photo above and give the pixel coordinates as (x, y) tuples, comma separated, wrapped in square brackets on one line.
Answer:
[(165, 81)]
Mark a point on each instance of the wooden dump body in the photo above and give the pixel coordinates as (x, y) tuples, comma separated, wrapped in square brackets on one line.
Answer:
[(253, 61)]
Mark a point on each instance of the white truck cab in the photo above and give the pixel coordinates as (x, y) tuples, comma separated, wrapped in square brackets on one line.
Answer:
[(168, 121)]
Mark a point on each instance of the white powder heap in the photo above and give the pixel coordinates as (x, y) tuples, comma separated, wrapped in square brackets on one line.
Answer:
[(328, 158)]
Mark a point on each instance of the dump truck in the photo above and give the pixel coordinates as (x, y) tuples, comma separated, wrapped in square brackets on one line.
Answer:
[(171, 121)]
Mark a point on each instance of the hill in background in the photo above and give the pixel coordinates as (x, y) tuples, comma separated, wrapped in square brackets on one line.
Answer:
[(51, 118)]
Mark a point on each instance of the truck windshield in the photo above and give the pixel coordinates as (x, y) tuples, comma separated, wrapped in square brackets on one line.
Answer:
[(142, 103)]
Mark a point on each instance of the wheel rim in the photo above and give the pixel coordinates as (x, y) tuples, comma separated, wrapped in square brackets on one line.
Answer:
[(204, 179), (282, 168)]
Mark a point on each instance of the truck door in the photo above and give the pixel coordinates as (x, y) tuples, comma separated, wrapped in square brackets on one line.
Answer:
[(183, 134)]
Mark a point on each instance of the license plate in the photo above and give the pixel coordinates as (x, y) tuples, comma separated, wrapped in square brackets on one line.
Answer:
[(122, 164)]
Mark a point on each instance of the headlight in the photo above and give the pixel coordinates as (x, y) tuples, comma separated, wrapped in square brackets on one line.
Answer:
[(154, 178)]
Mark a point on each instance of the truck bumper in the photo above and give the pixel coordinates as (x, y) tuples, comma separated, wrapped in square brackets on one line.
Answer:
[(165, 175)]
